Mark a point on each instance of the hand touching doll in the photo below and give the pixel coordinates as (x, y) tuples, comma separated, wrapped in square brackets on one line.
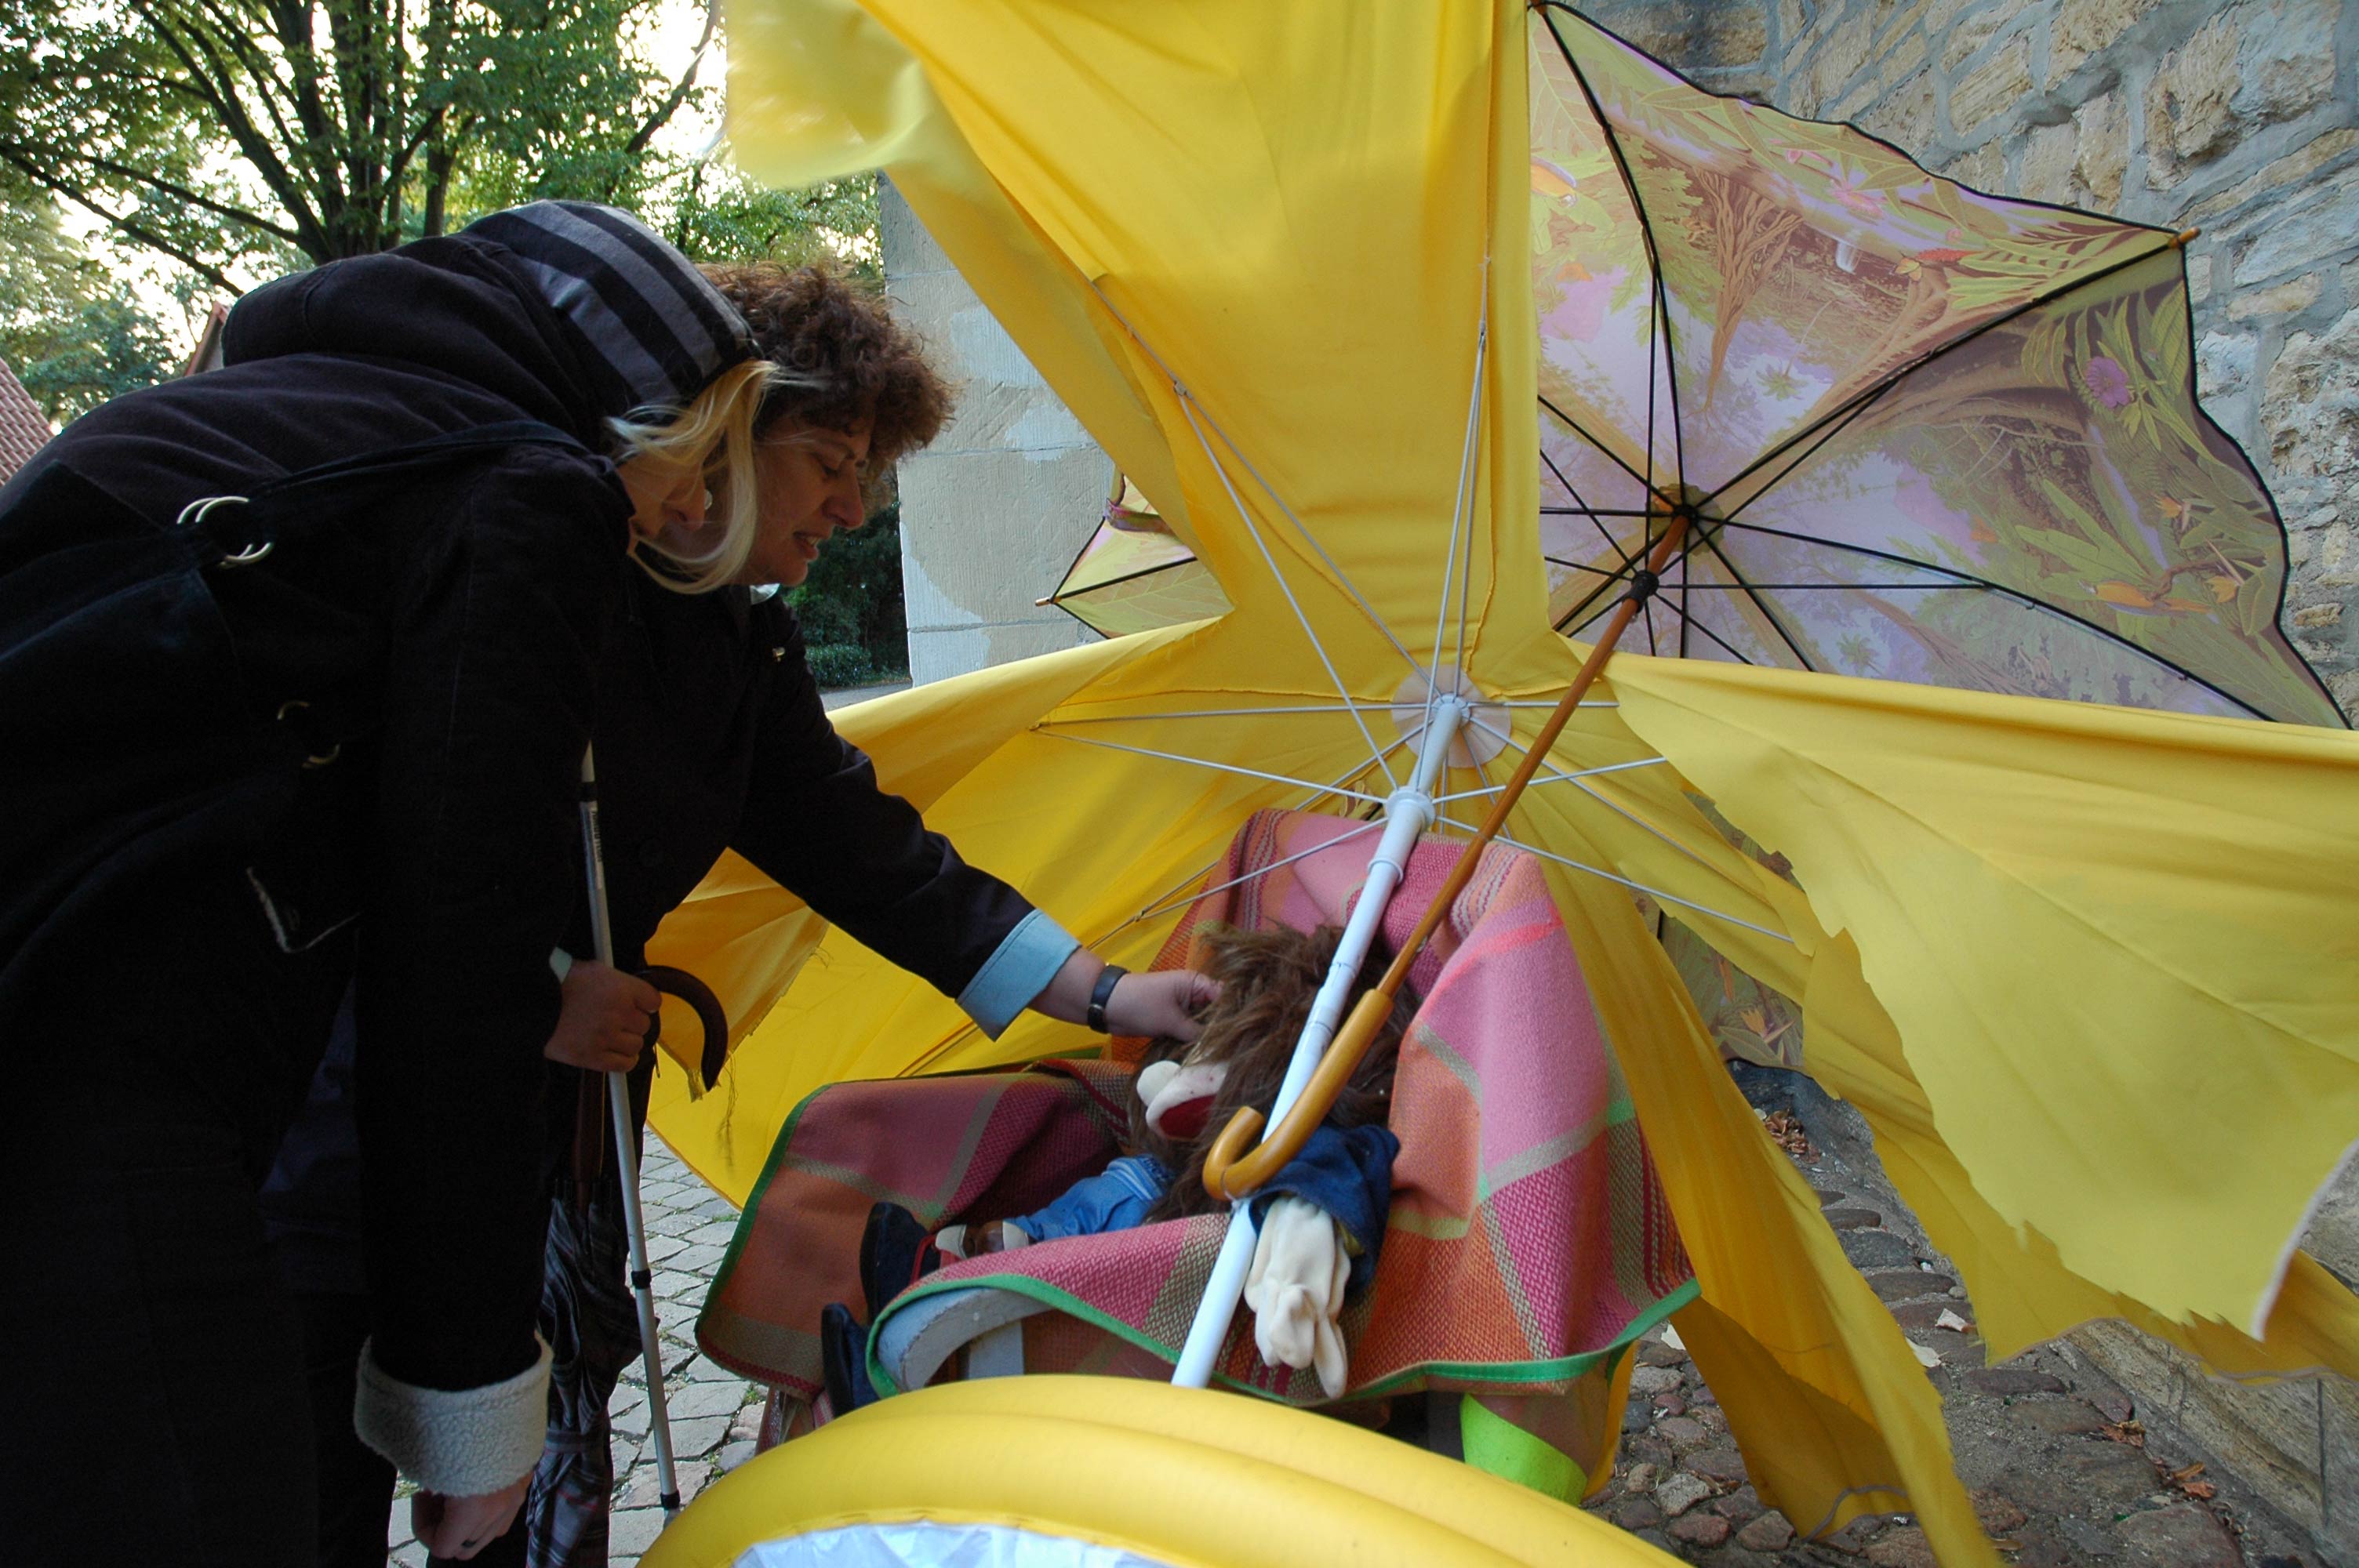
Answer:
[(1322, 1218)]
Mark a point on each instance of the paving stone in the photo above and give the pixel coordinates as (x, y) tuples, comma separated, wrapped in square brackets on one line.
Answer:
[(1657, 1540), (662, 1247), (1722, 1465), (694, 1439), (2055, 1418), (633, 1420), (1698, 1529), (702, 1257), (1996, 1512), (1877, 1249), (1851, 1218), (704, 1370), (1635, 1417), (747, 1423), (1739, 1505), (1638, 1513), (733, 1454), (1654, 1380), (1638, 1479), (1680, 1493), (1671, 1404), (1770, 1532), (1655, 1352), (714, 1232), (1923, 1316), (706, 1400), (644, 1490), (633, 1530), (2184, 1535), (1827, 1197), (1701, 1397), (1901, 1284), (2009, 1383), (2096, 1480), (1902, 1548), (1680, 1432), (717, 1208)]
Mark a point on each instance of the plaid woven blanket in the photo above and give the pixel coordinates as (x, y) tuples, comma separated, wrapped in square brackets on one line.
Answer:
[(1530, 1238)]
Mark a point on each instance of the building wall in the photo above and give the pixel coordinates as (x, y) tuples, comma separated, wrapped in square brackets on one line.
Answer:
[(2241, 119), (993, 511)]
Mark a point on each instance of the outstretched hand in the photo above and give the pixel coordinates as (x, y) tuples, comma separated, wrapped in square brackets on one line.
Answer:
[(1156, 1003), (1162, 1002)]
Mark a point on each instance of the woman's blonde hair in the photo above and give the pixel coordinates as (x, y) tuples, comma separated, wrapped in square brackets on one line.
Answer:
[(712, 440)]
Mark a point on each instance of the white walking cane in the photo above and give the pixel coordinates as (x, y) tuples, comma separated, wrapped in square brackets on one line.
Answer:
[(618, 1104)]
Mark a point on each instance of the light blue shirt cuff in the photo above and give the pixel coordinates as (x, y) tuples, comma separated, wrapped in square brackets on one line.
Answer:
[(1018, 970), (560, 962)]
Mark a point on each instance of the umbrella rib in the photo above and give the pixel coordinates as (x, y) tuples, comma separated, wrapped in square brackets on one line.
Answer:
[(1217, 713), (1459, 509), (1572, 777), (1188, 412), (1190, 407), (1884, 383), (1601, 798), (1258, 871), (1967, 580), (1658, 299), (1610, 456), (1171, 899), (1758, 602), (1232, 767), (1686, 620), (1582, 508), (1566, 620), (1656, 893)]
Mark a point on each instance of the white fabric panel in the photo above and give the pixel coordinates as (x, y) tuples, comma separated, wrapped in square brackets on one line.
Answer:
[(924, 1544)]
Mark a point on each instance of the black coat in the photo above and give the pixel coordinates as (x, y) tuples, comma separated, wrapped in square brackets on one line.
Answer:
[(501, 627)]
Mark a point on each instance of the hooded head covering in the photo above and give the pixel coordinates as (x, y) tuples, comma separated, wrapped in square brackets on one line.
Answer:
[(653, 331)]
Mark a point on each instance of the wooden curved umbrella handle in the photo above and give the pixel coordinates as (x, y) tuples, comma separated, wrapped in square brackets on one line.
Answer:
[(709, 1015)]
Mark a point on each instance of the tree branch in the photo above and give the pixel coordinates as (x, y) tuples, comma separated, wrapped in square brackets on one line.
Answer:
[(679, 94), (129, 227)]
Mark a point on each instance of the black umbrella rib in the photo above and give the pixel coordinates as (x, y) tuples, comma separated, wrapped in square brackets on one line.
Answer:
[(1852, 406), (1570, 423), (1968, 579), (1686, 620), (1659, 297), (1584, 508), (1711, 544)]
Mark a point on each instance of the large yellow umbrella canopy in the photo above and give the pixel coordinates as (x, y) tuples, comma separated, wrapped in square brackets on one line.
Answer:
[(1283, 261)]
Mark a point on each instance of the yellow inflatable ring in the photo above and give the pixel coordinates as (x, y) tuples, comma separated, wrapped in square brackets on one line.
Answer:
[(1109, 1470)]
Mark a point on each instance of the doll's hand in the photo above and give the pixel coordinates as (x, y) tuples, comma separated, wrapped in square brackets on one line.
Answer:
[(1160, 1003), (1296, 1289), (602, 1022)]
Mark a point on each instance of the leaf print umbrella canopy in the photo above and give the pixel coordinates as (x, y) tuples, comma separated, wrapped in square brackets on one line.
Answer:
[(1306, 272)]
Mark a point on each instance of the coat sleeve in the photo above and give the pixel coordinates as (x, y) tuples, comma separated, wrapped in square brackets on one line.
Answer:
[(471, 879), (817, 824)]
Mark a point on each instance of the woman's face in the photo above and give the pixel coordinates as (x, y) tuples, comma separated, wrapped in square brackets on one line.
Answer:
[(809, 478)]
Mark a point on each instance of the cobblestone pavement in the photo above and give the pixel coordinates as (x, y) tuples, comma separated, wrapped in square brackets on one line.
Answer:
[(2064, 1472), (714, 1413)]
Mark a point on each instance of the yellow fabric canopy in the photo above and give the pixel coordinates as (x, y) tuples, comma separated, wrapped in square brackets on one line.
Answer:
[(2091, 973)]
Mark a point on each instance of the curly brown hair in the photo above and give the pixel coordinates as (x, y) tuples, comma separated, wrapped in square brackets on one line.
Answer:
[(849, 359), (1268, 980)]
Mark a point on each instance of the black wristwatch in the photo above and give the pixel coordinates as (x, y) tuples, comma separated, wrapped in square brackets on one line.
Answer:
[(1101, 993)]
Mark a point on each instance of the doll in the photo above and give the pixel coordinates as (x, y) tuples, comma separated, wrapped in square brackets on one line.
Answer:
[(1320, 1218)]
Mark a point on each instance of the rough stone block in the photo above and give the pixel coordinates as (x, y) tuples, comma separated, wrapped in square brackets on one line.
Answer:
[(2189, 115), (2281, 177), (2182, 1535), (1976, 28), (1681, 1432), (1904, 116), (1877, 1249), (1904, 1548), (2301, 234), (1990, 91), (2050, 154), (2102, 155), (2012, 1382), (1846, 53), (2309, 402), (2094, 1480), (1725, 1465), (1654, 1380), (2085, 28), (2286, 66), (1985, 168), (1680, 1493), (1702, 1529), (1770, 1532)]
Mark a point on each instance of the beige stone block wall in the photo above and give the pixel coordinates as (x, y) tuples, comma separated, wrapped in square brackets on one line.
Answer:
[(993, 511), (2241, 119)]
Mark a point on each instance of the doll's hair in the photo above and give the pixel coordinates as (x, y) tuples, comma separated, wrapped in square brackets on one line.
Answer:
[(1268, 980)]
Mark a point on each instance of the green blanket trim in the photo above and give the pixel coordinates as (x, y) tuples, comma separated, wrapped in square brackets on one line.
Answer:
[(1501, 1373)]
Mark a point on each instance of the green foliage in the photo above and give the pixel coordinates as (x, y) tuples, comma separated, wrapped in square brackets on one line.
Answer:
[(850, 606), (70, 327)]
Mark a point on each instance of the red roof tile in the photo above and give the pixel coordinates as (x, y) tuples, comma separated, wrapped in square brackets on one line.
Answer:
[(24, 428)]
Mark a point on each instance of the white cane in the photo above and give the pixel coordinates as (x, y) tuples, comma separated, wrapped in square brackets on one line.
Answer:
[(618, 1103)]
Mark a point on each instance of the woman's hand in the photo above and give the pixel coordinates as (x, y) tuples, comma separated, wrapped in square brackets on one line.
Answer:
[(1163, 1003), (458, 1528), (602, 1023)]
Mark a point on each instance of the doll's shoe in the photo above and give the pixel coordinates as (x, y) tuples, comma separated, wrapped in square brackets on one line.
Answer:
[(895, 1252), (844, 1360)]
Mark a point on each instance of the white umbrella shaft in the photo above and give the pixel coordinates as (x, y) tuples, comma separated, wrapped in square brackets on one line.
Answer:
[(626, 1155)]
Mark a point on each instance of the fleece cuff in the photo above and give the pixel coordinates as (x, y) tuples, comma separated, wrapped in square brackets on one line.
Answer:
[(460, 1443)]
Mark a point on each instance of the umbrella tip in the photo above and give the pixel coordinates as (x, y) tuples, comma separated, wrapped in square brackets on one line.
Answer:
[(2184, 238)]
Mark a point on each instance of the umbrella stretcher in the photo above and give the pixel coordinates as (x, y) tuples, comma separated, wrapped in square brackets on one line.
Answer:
[(1439, 337)]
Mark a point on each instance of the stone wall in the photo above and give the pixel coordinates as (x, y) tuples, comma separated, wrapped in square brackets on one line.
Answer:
[(993, 511), (2240, 119)]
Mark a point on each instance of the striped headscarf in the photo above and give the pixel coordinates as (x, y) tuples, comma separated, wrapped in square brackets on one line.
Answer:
[(655, 332)]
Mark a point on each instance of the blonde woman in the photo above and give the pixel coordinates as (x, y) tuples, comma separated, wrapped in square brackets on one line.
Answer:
[(537, 464)]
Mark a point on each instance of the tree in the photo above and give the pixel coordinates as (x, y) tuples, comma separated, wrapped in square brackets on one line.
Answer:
[(70, 327), (249, 135)]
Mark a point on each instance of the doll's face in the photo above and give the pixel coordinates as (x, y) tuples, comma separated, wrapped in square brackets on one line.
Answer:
[(1178, 1096)]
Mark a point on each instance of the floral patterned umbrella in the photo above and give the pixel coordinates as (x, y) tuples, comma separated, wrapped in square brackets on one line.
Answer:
[(1925, 433)]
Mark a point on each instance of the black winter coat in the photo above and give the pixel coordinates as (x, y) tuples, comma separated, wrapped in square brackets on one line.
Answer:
[(504, 627)]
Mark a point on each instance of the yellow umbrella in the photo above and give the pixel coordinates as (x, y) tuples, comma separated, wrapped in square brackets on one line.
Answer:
[(1306, 273)]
